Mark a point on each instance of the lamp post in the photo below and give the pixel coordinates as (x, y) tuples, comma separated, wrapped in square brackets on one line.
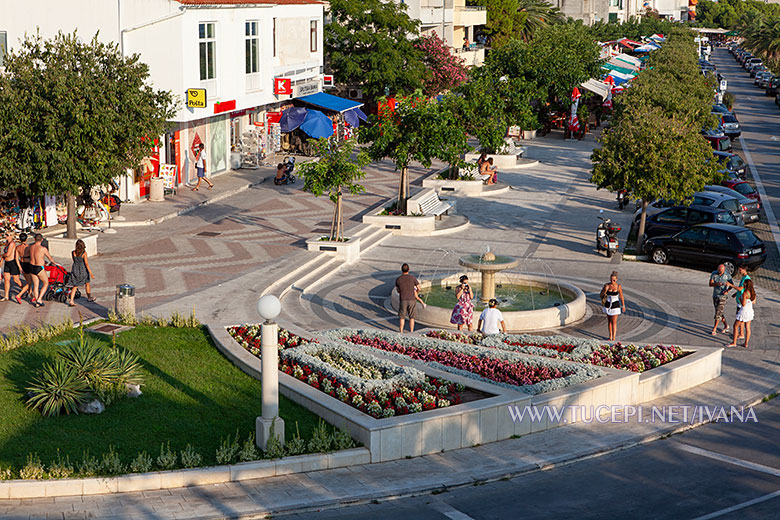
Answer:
[(269, 308)]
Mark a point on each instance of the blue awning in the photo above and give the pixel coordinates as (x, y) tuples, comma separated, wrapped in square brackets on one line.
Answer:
[(329, 102)]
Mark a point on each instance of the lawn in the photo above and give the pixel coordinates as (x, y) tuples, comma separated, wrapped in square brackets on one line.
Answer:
[(191, 394)]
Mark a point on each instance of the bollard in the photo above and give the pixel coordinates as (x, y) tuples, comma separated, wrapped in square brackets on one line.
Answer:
[(156, 189), (124, 301)]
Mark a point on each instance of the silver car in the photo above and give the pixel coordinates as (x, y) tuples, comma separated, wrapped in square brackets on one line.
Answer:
[(751, 208), (700, 198)]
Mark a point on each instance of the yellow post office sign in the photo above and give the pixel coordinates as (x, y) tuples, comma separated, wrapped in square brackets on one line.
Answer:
[(196, 98)]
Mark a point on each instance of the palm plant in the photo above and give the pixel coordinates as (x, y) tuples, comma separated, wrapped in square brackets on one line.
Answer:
[(536, 14), (57, 389)]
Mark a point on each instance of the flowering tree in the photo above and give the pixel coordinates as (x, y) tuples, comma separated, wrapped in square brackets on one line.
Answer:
[(445, 71)]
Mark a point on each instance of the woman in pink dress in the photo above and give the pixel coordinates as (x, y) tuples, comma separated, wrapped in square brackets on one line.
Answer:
[(463, 313)]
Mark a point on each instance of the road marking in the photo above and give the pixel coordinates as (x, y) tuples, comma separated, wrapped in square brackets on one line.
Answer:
[(770, 214), (729, 460), (737, 507), (449, 511)]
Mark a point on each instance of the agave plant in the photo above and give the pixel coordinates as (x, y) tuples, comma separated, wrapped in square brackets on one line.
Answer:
[(57, 389), (92, 362), (127, 365)]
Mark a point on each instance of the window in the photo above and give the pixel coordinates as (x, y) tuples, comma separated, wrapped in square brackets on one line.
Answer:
[(675, 215), (208, 54), (313, 36), (252, 48), (748, 239), (731, 205), (696, 217), (273, 38), (3, 47), (744, 188), (718, 239), (694, 236), (702, 201)]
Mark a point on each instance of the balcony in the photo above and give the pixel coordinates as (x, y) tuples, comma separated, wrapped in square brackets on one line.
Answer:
[(435, 15), (470, 16), (474, 56)]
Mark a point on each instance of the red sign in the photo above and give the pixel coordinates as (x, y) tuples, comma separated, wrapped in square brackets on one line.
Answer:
[(224, 106), (273, 117), (283, 86), (327, 80)]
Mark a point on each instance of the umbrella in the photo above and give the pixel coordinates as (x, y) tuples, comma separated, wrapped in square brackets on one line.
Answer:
[(292, 118), (574, 121), (360, 114), (317, 124), (352, 118)]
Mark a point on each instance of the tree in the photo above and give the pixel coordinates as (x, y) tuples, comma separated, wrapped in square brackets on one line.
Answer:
[(503, 20), (334, 171), (368, 43), (445, 70), (535, 14), (74, 116), (414, 129)]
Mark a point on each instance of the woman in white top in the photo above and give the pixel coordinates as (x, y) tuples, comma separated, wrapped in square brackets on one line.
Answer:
[(200, 167), (745, 313), (614, 304)]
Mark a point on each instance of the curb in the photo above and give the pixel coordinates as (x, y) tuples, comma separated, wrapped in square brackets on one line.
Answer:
[(635, 258)]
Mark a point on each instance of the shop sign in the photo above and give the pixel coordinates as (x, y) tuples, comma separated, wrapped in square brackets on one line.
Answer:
[(327, 80), (273, 117), (283, 86), (308, 88), (196, 98), (224, 106)]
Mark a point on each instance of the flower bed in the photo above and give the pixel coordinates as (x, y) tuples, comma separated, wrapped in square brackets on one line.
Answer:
[(374, 386), (475, 338), (513, 370), (623, 357)]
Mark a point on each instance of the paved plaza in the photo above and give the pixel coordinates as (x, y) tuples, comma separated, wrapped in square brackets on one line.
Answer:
[(217, 258)]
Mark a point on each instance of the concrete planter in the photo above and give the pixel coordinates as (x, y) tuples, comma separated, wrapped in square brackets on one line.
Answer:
[(499, 160), (348, 251), (402, 224), (529, 134), (465, 188), (61, 247)]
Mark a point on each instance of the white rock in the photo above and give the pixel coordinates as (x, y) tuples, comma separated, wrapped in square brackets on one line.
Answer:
[(92, 407), (133, 390)]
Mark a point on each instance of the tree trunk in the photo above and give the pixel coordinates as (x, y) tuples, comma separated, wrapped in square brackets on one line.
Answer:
[(641, 231), (71, 223), (403, 190), (339, 218)]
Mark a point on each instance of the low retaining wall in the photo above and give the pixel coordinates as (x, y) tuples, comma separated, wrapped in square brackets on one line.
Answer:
[(61, 247), (485, 420), (403, 225), (499, 160), (348, 251)]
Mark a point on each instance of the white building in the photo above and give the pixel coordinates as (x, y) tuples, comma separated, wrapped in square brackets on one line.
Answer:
[(453, 21), (234, 49)]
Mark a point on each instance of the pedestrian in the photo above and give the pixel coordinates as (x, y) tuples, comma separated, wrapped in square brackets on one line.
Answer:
[(80, 273), (408, 291), (463, 312), (11, 267), (38, 256), (613, 302), (490, 319), (200, 167), (466, 43), (740, 290), (720, 281), (745, 313), (23, 253)]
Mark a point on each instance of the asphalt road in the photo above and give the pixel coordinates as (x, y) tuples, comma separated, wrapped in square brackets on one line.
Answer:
[(719, 470), (759, 118)]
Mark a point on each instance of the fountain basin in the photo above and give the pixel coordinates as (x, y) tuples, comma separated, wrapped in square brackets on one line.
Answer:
[(516, 321)]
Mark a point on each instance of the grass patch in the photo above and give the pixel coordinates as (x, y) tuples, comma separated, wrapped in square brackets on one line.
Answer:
[(192, 395)]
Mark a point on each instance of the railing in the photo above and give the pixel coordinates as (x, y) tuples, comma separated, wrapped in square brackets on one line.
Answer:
[(472, 8)]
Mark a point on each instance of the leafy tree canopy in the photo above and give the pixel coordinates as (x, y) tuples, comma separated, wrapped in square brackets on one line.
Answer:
[(368, 43)]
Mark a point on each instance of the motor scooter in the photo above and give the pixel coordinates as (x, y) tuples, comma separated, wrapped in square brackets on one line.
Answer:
[(287, 176), (606, 236)]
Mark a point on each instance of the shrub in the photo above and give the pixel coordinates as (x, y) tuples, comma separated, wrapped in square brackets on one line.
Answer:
[(167, 458), (142, 463), (190, 458), (297, 445), (111, 464), (33, 470), (274, 449), (5, 473), (249, 449), (228, 449), (342, 440), (321, 441), (128, 366), (61, 468), (178, 321), (89, 466), (57, 389)]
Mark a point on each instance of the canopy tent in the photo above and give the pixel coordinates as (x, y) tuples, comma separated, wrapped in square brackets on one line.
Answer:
[(647, 48), (624, 64), (330, 102), (622, 70), (317, 124), (617, 79), (633, 60), (292, 118), (597, 87), (658, 37)]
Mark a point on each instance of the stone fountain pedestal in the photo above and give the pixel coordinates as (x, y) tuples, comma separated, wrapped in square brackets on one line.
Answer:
[(488, 265)]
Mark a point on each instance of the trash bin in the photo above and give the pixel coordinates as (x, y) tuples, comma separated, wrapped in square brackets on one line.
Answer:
[(156, 191), (124, 301)]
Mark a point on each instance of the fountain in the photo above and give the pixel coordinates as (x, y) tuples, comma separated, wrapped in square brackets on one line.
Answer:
[(528, 301)]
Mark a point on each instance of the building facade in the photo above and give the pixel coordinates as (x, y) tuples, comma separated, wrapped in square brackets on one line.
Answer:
[(250, 57)]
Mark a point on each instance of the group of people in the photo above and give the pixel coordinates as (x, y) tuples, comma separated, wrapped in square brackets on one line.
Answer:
[(491, 321), (486, 167), (744, 294), (21, 259)]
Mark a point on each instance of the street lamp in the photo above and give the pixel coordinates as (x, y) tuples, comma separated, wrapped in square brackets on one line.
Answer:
[(269, 308)]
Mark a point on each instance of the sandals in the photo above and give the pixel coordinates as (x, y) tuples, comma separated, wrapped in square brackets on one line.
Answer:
[(194, 189), (71, 304), (90, 299), (211, 186), (3, 299), (38, 304), (18, 299)]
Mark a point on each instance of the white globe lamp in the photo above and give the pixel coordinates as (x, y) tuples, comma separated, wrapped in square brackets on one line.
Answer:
[(269, 307), (269, 423)]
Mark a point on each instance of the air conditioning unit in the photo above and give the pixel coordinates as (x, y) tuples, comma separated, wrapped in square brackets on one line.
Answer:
[(355, 93)]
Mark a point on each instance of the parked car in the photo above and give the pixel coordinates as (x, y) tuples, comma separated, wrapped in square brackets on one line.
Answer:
[(764, 81), (720, 143), (772, 86), (677, 218), (760, 75), (708, 199), (750, 208), (731, 126), (777, 99), (742, 187), (755, 69), (732, 162), (720, 109), (708, 245)]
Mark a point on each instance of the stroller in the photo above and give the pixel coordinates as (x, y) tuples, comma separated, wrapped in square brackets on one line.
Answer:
[(287, 176), (58, 280)]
